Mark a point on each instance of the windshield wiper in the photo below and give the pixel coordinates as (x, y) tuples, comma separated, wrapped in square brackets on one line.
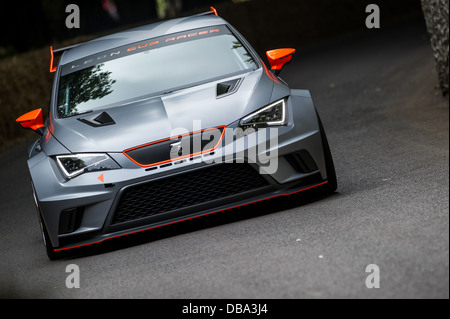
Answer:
[(77, 114)]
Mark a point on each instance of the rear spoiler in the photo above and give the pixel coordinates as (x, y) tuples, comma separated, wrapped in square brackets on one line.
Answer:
[(59, 52), (56, 54), (212, 11)]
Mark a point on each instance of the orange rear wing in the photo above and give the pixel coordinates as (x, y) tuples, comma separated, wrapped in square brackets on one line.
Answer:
[(54, 54), (212, 11)]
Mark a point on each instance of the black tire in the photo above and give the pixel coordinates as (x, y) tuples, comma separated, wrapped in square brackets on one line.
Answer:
[(331, 186), (51, 253)]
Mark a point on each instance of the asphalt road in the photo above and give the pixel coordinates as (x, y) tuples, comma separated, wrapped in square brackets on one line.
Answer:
[(388, 128)]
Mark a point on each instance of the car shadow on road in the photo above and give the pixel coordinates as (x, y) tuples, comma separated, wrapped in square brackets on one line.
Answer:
[(267, 207)]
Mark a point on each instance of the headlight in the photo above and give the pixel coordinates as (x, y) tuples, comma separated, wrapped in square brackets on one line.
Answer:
[(77, 164), (273, 114)]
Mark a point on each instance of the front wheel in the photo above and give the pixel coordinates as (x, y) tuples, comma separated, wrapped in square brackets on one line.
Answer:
[(331, 186), (52, 255)]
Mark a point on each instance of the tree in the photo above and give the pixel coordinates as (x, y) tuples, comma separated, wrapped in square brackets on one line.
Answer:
[(436, 17), (81, 87)]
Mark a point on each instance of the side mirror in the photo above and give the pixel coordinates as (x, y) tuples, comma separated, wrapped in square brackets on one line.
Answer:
[(33, 120), (278, 58)]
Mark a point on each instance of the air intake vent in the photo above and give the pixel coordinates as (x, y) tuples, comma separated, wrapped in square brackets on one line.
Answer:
[(70, 220), (302, 162), (228, 87), (98, 120)]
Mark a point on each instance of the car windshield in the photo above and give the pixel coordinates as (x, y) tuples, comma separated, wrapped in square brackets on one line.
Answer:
[(150, 68)]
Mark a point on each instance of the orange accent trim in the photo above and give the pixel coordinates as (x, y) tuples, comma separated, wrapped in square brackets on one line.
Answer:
[(183, 220), (33, 120), (278, 58), (215, 11), (52, 57), (181, 157)]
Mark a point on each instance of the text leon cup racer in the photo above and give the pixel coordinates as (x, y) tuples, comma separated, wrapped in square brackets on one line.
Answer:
[(158, 124)]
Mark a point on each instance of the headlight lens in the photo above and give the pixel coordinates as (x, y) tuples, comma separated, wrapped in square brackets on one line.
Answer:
[(77, 164), (273, 114)]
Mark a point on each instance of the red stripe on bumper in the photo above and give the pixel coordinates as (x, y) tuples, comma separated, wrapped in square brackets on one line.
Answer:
[(183, 220)]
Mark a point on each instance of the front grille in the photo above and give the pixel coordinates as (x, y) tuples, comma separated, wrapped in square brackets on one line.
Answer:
[(173, 149), (186, 190)]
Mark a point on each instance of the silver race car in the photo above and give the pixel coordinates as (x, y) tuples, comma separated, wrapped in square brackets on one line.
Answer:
[(165, 123)]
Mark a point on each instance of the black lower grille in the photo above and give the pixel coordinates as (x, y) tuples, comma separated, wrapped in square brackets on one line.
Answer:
[(185, 190)]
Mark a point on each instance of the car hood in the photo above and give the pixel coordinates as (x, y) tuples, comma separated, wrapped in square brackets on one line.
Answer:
[(145, 121)]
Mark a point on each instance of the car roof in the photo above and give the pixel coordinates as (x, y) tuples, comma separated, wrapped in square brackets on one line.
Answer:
[(139, 34)]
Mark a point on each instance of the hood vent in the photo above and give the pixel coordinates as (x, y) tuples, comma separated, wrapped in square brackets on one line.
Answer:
[(228, 87), (104, 119)]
